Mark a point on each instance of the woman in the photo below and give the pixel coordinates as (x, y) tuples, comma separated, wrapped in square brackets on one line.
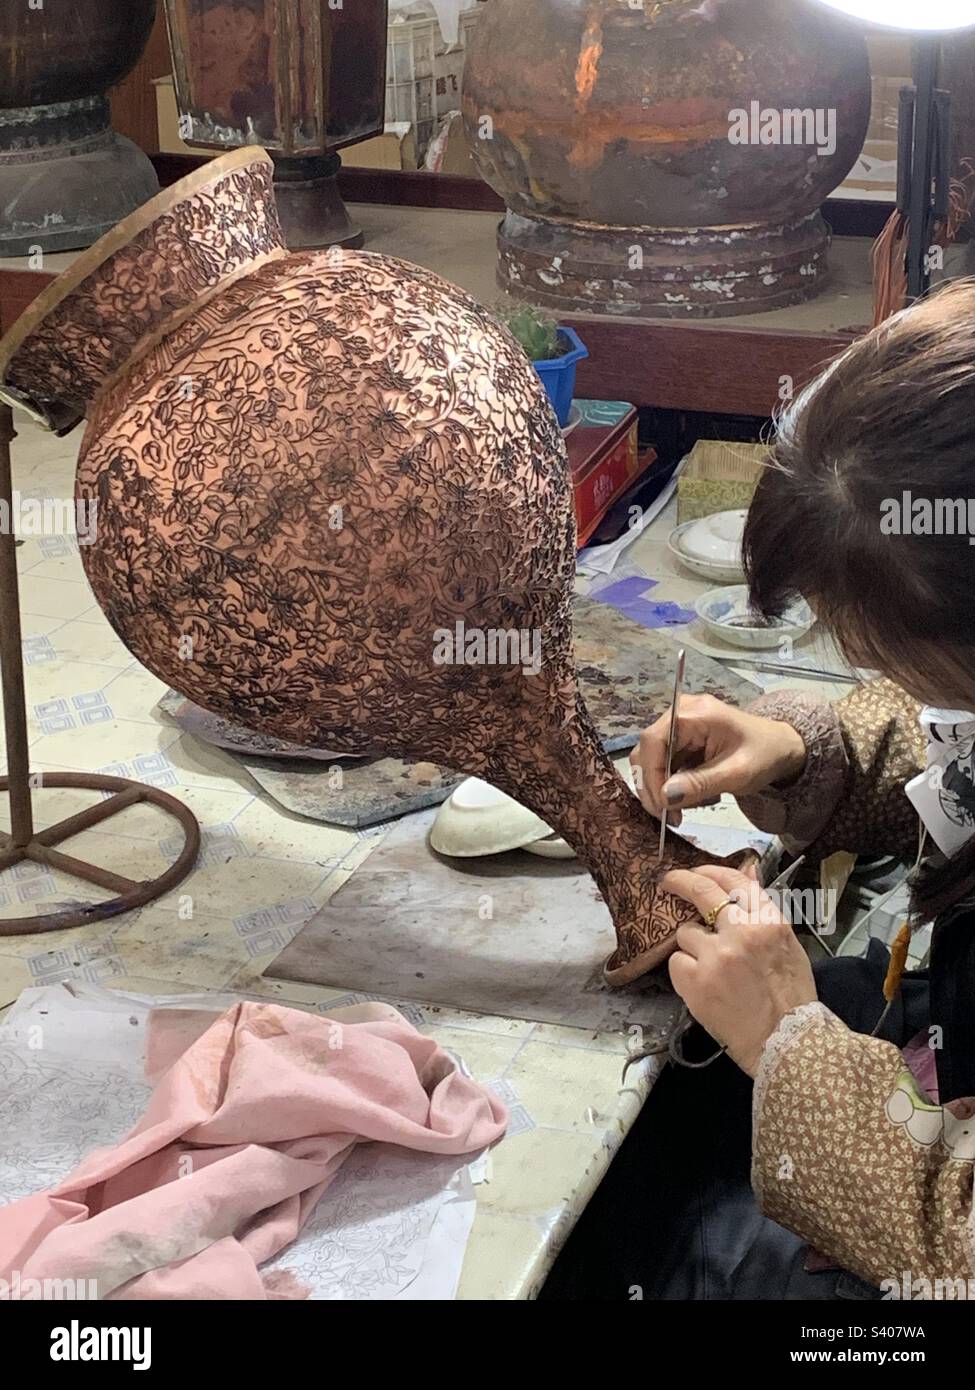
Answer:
[(861, 1185)]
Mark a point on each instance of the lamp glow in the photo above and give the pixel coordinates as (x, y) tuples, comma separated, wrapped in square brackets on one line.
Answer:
[(919, 16)]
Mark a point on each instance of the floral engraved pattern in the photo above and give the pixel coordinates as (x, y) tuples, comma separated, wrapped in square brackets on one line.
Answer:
[(339, 457), (185, 252)]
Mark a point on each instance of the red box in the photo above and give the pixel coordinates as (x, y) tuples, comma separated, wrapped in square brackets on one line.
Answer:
[(604, 462)]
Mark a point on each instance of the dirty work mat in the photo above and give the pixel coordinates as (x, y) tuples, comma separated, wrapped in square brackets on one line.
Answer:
[(310, 782), (626, 674), (511, 934)]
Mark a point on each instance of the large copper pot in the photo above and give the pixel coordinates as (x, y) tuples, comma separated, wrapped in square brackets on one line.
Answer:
[(65, 176), (322, 481), (604, 125), (303, 78)]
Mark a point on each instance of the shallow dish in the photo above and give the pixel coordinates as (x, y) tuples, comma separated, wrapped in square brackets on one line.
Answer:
[(727, 615), (478, 819)]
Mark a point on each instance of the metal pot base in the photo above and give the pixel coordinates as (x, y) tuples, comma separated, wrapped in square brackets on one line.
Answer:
[(66, 177), (648, 272), (313, 214)]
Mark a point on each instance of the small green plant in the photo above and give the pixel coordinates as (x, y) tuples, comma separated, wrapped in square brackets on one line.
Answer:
[(537, 332)]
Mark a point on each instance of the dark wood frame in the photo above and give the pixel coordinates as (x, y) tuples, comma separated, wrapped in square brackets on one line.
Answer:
[(701, 365)]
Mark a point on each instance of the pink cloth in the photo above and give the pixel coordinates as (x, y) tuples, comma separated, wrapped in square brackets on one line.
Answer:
[(241, 1136)]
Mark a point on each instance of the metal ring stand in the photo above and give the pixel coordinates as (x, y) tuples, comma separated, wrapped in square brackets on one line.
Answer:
[(24, 842)]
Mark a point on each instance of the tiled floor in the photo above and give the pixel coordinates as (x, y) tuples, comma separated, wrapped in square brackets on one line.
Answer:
[(261, 875)]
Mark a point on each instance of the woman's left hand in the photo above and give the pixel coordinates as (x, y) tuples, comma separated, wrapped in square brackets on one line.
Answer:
[(742, 976)]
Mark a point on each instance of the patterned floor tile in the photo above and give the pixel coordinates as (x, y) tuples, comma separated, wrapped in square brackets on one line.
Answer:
[(529, 1168), (566, 1087), (14, 977), (106, 744), (276, 835), (87, 641), (54, 598), (194, 951)]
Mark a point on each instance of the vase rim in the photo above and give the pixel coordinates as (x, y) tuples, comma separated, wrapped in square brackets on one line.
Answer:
[(113, 240)]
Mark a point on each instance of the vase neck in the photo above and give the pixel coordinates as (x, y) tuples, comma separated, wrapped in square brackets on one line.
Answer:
[(571, 784), (138, 281)]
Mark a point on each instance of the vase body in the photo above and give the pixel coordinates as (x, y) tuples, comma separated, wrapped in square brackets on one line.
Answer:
[(303, 78), (65, 176), (321, 482), (605, 127)]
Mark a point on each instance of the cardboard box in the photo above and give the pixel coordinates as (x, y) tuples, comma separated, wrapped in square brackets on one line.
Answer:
[(719, 476), (603, 460), (394, 149)]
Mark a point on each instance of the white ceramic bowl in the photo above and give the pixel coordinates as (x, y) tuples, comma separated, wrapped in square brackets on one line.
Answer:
[(727, 615), (478, 819), (711, 545), (551, 847)]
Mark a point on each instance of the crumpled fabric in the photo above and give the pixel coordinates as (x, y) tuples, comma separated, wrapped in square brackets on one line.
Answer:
[(243, 1133)]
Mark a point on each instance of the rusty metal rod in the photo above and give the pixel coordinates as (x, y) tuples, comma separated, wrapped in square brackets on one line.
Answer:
[(91, 815), (78, 868), (11, 653)]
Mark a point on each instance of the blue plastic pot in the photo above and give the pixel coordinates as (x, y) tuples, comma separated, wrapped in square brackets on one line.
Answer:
[(558, 374)]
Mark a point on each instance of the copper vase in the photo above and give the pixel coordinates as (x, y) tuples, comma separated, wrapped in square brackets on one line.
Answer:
[(332, 504)]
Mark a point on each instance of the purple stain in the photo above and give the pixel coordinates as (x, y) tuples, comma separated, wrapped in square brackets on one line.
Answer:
[(676, 616), (625, 590), (657, 614), (627, 597)]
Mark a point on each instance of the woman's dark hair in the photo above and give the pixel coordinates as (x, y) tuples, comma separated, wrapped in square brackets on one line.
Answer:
[(864, 509)]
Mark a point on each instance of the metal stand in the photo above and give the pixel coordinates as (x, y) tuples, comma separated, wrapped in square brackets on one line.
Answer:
[(310, 205), (922, 162), (26, 843)]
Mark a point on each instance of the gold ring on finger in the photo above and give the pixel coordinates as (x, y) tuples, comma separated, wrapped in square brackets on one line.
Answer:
[(711, 916)]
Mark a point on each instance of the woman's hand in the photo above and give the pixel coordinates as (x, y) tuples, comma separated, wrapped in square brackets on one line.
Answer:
[(719, 749), (741, 977)]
